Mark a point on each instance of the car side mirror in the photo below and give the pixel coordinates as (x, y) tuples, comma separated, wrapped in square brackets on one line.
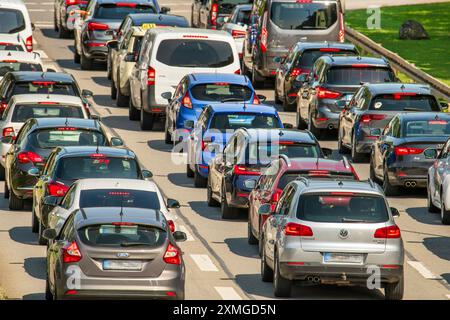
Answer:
[(375, 132), (130, 57), (395, 212), (444, 106), (146, 174), (288, 126), (167, 95), (302, 78), (116, 142), (113, 44), (250, 183), (87, 93), (34, 172), (189, 124), (172, 204), (327, 152), (179, 236), (49, 234), (430, 153), (8, 139), (264, 209), (165, 10), (52, 201), (261, 97)]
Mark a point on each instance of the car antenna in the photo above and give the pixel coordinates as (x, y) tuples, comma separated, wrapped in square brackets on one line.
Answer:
[(67, 122)]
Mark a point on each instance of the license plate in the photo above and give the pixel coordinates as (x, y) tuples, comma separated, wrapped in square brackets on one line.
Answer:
[(122, 265), (342, 257)]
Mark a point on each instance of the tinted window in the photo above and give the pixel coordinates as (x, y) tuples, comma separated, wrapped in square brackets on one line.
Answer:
[(118, 12), (342, 208), (10, 47), (44, 87), (420, 128), (110, 235), (243, 17), (313, 174), (195, 53), (398, 102), (119, 198), (6, 66), (220, 91), (356, 76), (24, 112), (96, 166), (308, 57), (223, 121), (11, 21), (291, 15), (55, 137)]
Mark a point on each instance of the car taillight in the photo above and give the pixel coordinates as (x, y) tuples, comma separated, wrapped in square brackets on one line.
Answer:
[(238, 33), (151, 76), (296, 72), (186, 101), (71, 253), (298, 230), (171, 225), (97, 26), (172, 255), (9, 131), (57, 189), (323, 93), (3, 106), (391, 232), (341, 35), (28, 156), (274, 199), (263, 42), (256, 100), (403, 151), (318, 173), (366, 118), (238, 71), (72, 2), (243, 170), (29, 43), (214, 14)]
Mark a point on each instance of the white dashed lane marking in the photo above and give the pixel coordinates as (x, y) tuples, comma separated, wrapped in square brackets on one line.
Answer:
[(203, 262), (427, 274), (228, 293), (188, 234)]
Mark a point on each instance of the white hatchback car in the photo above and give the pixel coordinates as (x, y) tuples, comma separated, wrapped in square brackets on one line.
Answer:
[(19, 61), (9, 42), (90, 193), (166, 56), (15, 21)]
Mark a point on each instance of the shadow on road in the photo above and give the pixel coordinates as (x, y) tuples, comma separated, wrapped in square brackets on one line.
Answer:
[(23, 235), (421, 214), (34, 296), (181, 180), (202, 209), (440, 246), (102, 81), (240, 246), (36, 267), (160, 145)]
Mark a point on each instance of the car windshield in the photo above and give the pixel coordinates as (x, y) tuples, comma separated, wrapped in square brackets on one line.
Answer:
[(263, 151), (221, 91), (233, 121), (401, 102), (426, 128), (341, 207), (10, 47), (44, 87), (298, 16), (122, 235), (12, 65), (50, 138), (119, 198), (308, 57), (11, 21), (96, 166), (195, 53), (243, 17), (357, 76), (23, 112), (118, 11)]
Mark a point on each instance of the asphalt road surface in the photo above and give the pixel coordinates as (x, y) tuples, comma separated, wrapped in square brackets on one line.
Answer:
[(220, 264)]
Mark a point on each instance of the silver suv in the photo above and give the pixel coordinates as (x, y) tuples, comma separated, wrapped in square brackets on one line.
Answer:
[(332, 232)]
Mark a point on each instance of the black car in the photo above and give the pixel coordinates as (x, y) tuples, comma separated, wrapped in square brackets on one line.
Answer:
[(138, 20), (99, 24), (299, 60), (331, 84), (68, 164), (24, 82), (372, 107), (35, 141), (233, 173), (406, 149), (61, 14)]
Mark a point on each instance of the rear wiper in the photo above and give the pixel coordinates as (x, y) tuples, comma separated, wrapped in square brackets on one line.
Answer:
[(412, 109), (232, 99), (353, 220), (133, 244)]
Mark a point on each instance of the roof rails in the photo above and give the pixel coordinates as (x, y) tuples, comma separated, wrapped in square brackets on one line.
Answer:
[(302, 179), (286, 158), (372, 184)]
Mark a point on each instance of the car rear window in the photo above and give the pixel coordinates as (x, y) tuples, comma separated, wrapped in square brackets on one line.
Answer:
[(44, 87), (233, 121), (243, 17), (117, 235), (11, 21), (195, 53), (313, 174), (137, 44), (23, 112), (402, 102), (298, 16), (12, 65), (115, 11), (220, 92), (308, 57), (428, 128), (65, 137), (356, 76), (342, 207), (119, 198), (10, 47), (291, 150), (96, 166)]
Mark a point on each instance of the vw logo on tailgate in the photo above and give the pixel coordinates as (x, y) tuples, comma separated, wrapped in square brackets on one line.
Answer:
[(343, 233)]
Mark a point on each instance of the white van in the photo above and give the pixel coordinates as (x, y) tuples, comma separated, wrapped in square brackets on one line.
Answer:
[(166, 56), (14, 20)]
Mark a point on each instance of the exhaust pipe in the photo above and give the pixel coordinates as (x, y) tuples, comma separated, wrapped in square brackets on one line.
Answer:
[(413, 184), (316, 280), (330, 127), (410, 184), (407, 184), (310, 278)]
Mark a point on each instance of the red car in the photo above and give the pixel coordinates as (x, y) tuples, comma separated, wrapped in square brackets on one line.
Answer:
[(282, 171)]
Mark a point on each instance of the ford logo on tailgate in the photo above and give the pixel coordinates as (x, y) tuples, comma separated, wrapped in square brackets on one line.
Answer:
[(123, 255)]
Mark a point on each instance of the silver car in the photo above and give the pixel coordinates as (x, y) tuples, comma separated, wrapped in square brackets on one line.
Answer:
[(332, 232)]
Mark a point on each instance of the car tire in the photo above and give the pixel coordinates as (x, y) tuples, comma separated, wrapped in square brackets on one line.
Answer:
[(341, 148), (388, 188), (227, 211), (85, 62), (394, 291), (189, 172), (288, 106), (48, 292), (313, 129), (167, 137), (147, 120), (108, 67), (55, 23), (301, 124), (122, 100), (113, 90), (258, 83), (34, 222), (41, 240), (276, 97), (199, 181), (2, 173), (431, 207), (15, 203), (76, 57), (209, 196), (252, 240), (266, 271), (372, 175), (356, 156), (281, 286), (6, 193), (445, 214), (63, 33), (133, 113)]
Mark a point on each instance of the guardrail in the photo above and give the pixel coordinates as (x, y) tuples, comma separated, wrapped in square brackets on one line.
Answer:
[(438, 88)]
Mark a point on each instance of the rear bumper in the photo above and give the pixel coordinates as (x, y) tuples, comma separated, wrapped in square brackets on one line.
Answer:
[(325, 119), (401, 173), (364, 145), (150, 105), (95, 49)]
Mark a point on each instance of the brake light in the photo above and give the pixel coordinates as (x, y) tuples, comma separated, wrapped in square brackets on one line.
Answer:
[(97, 155), (274, 199), (298, 230), (366, 118), (120, 224), (214, 14), (339, 193), (29, 43), (57, 189), (72, 2), (238, 33), (195, 36), (399, 95), (126, 4), (243, 170), (330, 50), (318, 173), (296, 72), (67, 129), (171, 225), (48, 102), (28, 156), (71, 253), (9, 61), (323, 93), (264, 36), (43, 83), (151, 76), (9, 131), (3, 106), (172, 255), (97, 26), (403, 151), (256, 100), (186, 101), (238, 71), (391, 232)]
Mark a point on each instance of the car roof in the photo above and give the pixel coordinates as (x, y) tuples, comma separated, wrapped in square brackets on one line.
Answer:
[(87, 150), (27, 76), (350, 60), (282, 135), (141, 18), (325, 186), (395, 87), (424, 116), (125, 1), (175, 33), (135, 184), (239, 107), (21, 56), (65, 122), (105, 215), (12, 3), (211, 77), (325, 44), (36, 98), (244, 7), (301, 164)]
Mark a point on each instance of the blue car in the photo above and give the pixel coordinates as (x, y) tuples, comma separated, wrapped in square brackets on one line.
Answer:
[(215, 126), (195, 91)]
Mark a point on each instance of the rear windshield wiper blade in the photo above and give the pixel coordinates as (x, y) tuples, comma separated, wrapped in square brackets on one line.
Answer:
[(133, 244), (412, 109), (232, 99), (353, 220)]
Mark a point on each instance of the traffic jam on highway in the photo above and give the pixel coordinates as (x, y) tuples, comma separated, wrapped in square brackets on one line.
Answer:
[(271, 116)]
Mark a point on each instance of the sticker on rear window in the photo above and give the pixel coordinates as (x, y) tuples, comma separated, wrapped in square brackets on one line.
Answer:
[(378, 105)]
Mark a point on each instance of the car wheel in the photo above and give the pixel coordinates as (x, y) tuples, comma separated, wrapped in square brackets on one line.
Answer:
[(34, 222), (388, 189), (76, 56), (199, 181), (167, 137), (6, 194), (312, 128), (48, 292), (258, 83), (209, 196), (372, 175), (133, 113), (288, 106), (227, 211), (281, 286), (250, 236), (108, 67), (445, 214), (63, 33), (147, 120), (55, 23), (277, 98), (122, 100), (189, 172), (301, 124), (86, 63), (356, 156), (2, 173), (113, 89), (266, 272), (41, 240), (15, 203), (431, 207), (394, 291), (341, 148)]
